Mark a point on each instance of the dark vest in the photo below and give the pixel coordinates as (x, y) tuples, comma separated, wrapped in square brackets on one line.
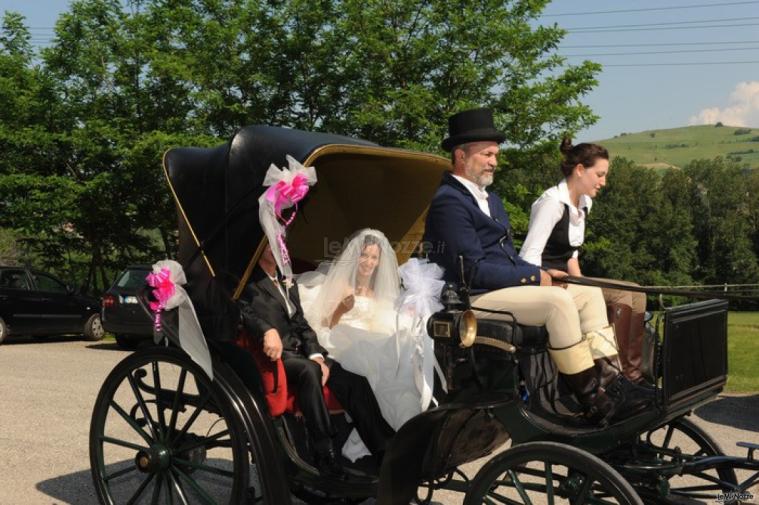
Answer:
[(558, 250)]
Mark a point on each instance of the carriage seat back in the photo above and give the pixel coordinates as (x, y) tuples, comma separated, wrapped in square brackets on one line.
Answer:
[(279, 398)]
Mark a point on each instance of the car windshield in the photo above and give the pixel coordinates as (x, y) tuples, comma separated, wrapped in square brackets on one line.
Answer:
[(132, 279)]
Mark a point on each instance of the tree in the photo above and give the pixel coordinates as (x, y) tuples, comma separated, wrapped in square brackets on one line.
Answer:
[(722, 226), (123, 81), (640, 228)]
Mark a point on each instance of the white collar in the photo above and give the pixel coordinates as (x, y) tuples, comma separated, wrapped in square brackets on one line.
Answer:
[(562, 193), (477, 192)]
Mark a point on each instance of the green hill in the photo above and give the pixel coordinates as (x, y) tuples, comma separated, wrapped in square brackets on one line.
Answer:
[(678, 146)]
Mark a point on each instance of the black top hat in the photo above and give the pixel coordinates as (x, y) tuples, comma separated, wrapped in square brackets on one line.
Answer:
[(472, 125)]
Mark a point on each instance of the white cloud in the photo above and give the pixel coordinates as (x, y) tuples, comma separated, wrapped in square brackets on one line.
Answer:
[(742, 108)]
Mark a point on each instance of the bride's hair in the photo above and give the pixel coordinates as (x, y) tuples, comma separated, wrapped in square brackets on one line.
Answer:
[(370, 239), (342, 274)]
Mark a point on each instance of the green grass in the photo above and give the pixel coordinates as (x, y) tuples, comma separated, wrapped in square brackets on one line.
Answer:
[(676, 147), (743, 352)]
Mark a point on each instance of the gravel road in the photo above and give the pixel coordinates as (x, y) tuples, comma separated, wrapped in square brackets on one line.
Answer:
[(48, 389)]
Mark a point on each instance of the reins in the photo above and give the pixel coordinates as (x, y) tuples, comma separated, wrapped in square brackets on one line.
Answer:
[(671, 290)]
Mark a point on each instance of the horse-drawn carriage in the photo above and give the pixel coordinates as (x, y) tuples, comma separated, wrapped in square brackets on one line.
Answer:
[(165, 430)]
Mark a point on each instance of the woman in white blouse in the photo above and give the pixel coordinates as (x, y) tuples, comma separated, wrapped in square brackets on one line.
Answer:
[(557, 230)]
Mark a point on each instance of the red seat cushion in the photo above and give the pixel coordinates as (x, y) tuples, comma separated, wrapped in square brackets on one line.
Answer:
[(274, 380)]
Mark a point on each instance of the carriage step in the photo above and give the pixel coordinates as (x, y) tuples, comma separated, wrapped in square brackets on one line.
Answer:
[(751, 448)]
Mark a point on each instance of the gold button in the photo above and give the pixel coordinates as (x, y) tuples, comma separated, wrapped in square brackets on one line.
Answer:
[(532, 278), (524, 281)]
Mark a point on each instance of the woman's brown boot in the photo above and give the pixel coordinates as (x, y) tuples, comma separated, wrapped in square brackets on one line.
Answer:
[(635, 348), (629, 348)]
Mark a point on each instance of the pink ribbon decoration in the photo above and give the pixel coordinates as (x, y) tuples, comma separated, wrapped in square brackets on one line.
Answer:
[(283, 195), (163, 289)]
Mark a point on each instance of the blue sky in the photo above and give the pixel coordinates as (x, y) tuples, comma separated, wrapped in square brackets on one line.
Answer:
[(698, 84)]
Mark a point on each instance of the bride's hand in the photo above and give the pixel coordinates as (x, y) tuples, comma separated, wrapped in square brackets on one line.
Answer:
[(348, 302)]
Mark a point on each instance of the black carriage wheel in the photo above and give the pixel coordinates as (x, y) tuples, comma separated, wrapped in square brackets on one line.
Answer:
[(551, 473), (683, 438), (162, 432)]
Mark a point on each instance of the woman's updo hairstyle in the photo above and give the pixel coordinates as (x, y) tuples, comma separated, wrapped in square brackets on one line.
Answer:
[(583, 154)]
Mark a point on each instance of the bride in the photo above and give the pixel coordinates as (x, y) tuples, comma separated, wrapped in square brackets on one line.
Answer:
[(354, 314)]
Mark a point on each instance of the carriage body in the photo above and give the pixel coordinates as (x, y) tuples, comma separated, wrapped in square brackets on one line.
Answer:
[(499, 387)]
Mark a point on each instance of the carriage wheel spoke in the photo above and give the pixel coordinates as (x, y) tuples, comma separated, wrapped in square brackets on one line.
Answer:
[(194, 416), (157, 385), (141, 489), (175, 405), (123, 471), (668, 436), (143, 406), (178, 488), (123, 443), (520, 487), (549, 483), (131, 422), (202, 494), (206, 468), (204, 442), (169, 491), (157, 490), (492, 498)]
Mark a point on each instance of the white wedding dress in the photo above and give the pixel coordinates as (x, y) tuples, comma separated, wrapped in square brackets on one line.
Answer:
[(366, 342), (385, 342)]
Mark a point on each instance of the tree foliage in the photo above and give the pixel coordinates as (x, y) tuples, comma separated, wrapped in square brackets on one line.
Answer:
[(84, 122), (87, 120)]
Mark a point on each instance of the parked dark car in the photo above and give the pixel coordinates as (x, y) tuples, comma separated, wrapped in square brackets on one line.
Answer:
[(122, 315), (39, 304)]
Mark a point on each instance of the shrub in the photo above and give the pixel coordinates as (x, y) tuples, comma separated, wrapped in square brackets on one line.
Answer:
[(719, 124), (754, 139), (742, 131)]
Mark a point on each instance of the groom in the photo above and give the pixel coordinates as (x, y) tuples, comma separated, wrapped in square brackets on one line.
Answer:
[(272, 314)]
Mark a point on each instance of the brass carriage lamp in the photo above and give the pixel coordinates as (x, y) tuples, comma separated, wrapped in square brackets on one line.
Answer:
[(452, 323)]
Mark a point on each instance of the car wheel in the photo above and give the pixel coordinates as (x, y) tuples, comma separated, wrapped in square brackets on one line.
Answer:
[(126, 342), (3, 330), (93, 328)]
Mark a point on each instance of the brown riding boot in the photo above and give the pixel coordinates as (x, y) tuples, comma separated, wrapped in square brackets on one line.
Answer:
[(635, 347), (620, 317)]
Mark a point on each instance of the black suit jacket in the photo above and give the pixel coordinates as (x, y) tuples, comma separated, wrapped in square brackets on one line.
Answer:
[(262, 308)]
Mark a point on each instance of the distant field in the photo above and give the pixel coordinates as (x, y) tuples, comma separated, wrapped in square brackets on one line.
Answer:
[(676, 147), (743, 352)]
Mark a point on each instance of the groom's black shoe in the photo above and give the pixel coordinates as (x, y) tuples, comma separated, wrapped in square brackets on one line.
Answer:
[(328, 465)]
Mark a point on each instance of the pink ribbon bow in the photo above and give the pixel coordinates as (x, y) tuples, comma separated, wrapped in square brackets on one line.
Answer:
[(163, 289), (284, 194)]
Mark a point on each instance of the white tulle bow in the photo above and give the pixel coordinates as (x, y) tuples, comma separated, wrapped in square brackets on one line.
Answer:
[(191, 338), (422, 283), (286, 187)]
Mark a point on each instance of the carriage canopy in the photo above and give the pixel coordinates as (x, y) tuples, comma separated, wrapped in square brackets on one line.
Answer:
[(360, 184)]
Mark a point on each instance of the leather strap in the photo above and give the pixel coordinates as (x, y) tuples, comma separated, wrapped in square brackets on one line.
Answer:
[(705, 294)]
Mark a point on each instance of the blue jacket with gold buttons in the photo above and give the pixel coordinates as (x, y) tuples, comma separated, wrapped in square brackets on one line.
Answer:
[(456, 227)]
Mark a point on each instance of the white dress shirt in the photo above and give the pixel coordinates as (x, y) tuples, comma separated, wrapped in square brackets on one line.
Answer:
[(479, 194), (290, 308), (546, 211)]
